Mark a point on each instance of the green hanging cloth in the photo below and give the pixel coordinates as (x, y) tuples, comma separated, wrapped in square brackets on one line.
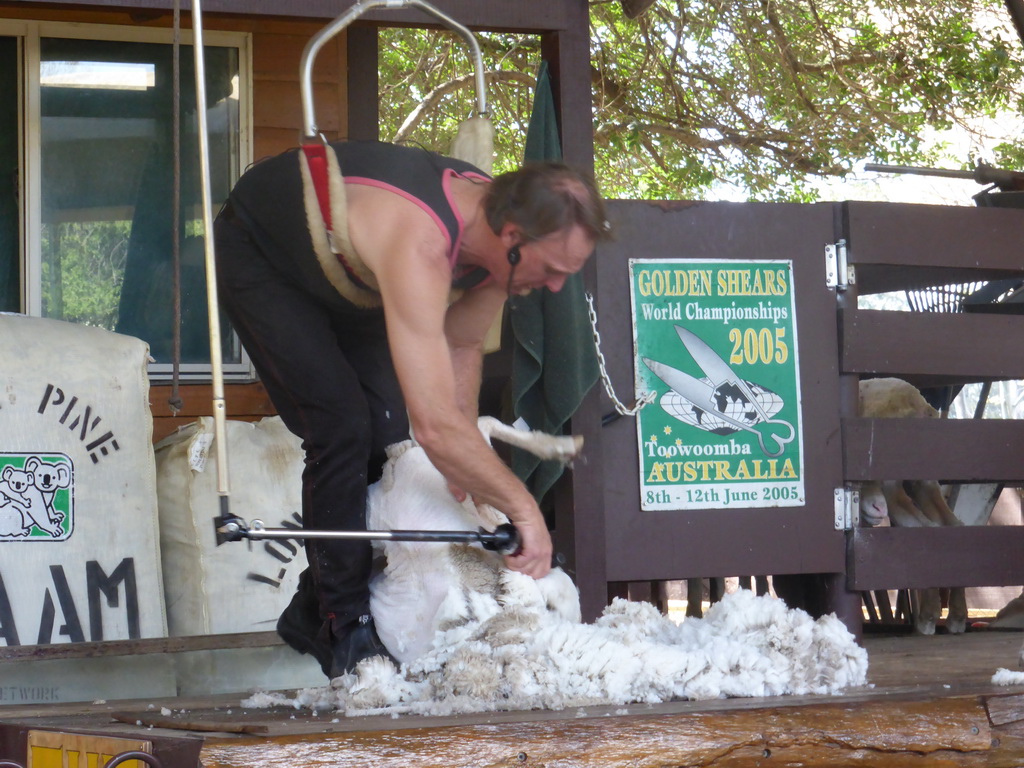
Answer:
[(554, 363)]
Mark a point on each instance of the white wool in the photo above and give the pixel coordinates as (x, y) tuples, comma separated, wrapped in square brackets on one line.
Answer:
[(891, 398), (529, 658), (473, 636), (1005, 676), (431, 587), (264, 700)]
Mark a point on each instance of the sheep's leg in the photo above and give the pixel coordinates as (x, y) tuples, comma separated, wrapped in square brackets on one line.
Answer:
[(927, 496), (716, 588), (903, 511), (694, 598), (884, 605), (929, 608), (905, 599), (540, 444), (869, 606), (956, 618), (761, 585)]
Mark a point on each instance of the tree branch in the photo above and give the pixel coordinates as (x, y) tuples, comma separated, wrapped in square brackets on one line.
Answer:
[(433, 98)]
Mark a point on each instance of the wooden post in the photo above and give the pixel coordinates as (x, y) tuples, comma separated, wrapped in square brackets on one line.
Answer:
[(579, 513), (363, 100)]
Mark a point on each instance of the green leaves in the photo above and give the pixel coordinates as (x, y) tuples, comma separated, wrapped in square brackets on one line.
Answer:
[(761, 95)]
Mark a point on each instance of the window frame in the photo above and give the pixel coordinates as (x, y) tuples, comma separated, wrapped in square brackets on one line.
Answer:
[(29, 34)]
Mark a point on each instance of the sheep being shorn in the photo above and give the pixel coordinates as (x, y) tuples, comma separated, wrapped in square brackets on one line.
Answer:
[(915, 504), (475, 636), (425, 587)]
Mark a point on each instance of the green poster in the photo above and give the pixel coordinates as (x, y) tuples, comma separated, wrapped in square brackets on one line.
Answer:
[(716, 343)]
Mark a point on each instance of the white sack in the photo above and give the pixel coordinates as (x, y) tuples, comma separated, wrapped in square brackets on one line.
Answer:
[(238, 586), (78, 521)]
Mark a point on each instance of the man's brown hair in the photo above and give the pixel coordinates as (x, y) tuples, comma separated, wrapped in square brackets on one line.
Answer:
[(542, 198)]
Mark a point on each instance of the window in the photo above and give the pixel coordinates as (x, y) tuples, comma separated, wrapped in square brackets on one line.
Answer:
[(98, 184)]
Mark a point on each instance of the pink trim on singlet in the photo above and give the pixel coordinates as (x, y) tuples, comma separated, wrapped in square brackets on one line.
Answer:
[(446, 186)]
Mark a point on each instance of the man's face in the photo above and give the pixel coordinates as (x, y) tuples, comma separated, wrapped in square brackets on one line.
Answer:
[(548, 262)]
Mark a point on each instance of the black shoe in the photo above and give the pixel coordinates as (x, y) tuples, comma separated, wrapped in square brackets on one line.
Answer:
[(300, 627), (354, 642)]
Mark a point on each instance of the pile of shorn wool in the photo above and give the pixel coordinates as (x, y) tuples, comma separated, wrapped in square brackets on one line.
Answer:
[(474, 636), (516, 654)]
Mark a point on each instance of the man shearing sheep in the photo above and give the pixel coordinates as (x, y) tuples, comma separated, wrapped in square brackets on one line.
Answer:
[(354, 347)]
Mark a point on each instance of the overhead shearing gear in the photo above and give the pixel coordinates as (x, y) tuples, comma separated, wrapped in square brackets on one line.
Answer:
[(474, 142)]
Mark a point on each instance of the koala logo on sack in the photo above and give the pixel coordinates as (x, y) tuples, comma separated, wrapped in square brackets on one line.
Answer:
[(36, 497)]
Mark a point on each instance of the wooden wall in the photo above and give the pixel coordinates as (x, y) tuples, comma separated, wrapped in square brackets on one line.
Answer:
[(277, 125)]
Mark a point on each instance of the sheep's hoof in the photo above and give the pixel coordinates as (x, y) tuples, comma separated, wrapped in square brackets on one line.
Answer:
[(956, 626)]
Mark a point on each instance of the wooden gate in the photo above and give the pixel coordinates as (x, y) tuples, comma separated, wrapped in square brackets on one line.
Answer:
[(910, 247), (890, 247)]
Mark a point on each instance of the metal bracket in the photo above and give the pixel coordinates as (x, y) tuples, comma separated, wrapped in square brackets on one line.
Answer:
[(838, 273), (846, 503)]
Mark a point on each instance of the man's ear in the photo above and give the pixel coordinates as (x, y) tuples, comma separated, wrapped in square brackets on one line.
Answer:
[(511, 235)]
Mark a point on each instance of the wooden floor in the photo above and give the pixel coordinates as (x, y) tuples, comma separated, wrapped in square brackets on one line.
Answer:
[(930, 702)]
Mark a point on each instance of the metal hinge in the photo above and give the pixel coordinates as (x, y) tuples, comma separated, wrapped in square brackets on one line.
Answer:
[(847, 508), (838, 273)]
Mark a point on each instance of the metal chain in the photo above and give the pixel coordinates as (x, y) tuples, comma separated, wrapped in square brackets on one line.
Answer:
[(621, 409)]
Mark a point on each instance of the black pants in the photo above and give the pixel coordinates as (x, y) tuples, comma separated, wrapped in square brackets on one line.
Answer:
[(327, 369)]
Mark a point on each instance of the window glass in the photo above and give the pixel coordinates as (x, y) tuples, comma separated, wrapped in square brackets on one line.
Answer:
[(107, 187), (10, 283)]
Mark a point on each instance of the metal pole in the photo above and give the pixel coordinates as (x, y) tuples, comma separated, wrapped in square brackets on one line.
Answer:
[(504, 539), (213, 307), (310, 128), (913, 169)]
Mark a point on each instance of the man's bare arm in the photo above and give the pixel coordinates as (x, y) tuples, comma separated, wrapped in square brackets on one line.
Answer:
[(414, 282), (466, 325)]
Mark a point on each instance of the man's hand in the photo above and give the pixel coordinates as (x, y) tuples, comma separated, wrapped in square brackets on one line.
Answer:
[(535, 558), (459, 494)]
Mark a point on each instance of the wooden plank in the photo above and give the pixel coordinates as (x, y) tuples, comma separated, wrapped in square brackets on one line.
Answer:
[(963, 450), (277, 57), (249, 399), (273, 141), (581, 539), (521, 15), (948, 732), (18, 653), (1005, 709), (935, 236), (968, 556), (194, 724), (140, 15), (939, 665), (278, 104), (276, 94), (568, 55), (968, 346), (362, 83)]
